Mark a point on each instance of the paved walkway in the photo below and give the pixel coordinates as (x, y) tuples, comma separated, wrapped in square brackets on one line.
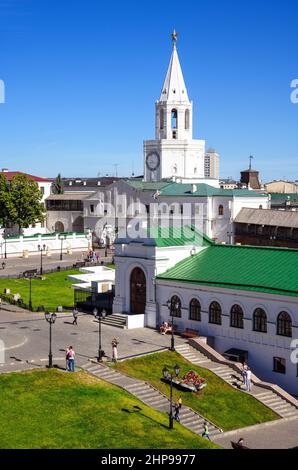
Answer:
[(151, 397)]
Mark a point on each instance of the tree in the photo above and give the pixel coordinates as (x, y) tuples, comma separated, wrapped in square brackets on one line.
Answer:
[(24, 202), (4, 195), (58, 185)]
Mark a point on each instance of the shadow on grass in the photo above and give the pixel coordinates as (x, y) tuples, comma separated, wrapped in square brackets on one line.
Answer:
[(137, 409)]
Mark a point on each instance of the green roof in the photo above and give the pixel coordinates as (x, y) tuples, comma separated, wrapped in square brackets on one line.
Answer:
[(261, 269), (147, 185), (163, 237), (181, 189), (178, 236), (283, 196)]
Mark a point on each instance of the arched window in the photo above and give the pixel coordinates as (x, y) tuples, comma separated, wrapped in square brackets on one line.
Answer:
[(215, 313), (220, 210), (260, 320), (284, 324), (187, 119), (237, 316), (195, 310), (161, 119), (174, 120), (175, 308)]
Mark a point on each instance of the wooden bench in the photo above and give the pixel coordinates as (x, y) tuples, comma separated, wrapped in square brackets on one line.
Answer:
[(189, 333)]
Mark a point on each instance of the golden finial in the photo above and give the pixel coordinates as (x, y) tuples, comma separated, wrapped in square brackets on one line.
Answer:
[(174, 37)]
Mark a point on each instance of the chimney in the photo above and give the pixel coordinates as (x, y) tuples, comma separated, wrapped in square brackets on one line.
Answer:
[(194, 188)]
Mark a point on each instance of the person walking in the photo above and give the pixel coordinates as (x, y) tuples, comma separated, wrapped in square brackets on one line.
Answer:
[(244, 373), (180, 402), (177, 412), (206, 431), (70, 355), (114, 350), (248, 380), (75, 313)]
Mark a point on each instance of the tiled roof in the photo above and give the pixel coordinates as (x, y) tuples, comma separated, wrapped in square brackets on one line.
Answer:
[(10, 174), (261, 269)]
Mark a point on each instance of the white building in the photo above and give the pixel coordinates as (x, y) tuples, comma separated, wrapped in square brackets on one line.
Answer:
[(241, 297), (211, 164)]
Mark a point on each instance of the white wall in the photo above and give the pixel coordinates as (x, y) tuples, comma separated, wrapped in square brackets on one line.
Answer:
[(15, 246), (262, 347)]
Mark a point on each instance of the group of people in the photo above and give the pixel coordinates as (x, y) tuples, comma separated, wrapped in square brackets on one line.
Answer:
[(246, 376), (177, 409), (165, 327), (70, 355), (92, 256)]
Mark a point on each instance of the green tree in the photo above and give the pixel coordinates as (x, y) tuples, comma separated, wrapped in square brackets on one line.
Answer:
[(4, 196), (24, 202), (57, 185)]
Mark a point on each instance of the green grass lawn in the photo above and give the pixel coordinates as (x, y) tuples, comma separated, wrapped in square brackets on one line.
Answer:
[(55, 410), (53, 291), (223, 405)]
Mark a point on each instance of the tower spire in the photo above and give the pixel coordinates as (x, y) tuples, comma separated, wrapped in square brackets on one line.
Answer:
[(174, 89)]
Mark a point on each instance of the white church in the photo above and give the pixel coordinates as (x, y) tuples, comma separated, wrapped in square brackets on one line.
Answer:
[(240, 297)]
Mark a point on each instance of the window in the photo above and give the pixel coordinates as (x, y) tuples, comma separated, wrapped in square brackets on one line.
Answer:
[(260, 321), (195, 310), (284, 325), (187, 119), (220, 210), (42, 190), (175, 309), (237, 317), (174, 120), (91, 208), (279, 365), (161, 119), (174, 135), (215, 313)]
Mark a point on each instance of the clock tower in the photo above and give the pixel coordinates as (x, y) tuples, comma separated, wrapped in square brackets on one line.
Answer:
[(174, 152)]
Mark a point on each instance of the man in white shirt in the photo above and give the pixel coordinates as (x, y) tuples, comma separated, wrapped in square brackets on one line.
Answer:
[(248, 380)]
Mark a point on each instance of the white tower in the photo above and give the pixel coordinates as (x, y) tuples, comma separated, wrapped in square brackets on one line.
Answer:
[(174, 153)]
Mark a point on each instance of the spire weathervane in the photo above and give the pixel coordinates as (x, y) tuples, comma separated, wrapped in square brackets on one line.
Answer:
[(174, 37)]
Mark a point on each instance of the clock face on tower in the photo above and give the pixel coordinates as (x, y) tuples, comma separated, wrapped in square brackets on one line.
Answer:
[(152, 161)]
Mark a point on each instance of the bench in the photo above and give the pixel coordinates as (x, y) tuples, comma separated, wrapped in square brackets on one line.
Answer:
[(189, 333), (79, 264)]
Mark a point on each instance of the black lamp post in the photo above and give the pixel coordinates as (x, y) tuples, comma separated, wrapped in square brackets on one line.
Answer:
[(29, 275), (169, 377), (172, 307), (50, 318), (5, 251), (99, 316), (61, 237), (41, 248)]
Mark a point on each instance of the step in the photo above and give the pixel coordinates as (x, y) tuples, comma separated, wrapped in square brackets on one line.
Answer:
[(271, 401), (145, 394)]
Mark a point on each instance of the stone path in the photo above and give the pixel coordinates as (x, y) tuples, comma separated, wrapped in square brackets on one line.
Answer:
[(280, 406), (150, 396)]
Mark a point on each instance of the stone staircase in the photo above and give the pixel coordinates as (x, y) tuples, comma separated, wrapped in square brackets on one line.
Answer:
[(270, 399), (116, 319), (150, 396)]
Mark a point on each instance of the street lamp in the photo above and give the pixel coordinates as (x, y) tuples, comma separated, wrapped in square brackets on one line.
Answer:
[(169, 377), (99, 316), (172, 307), (61, 237), (4, 236), (29, 275), (41, 248), (50, 318)]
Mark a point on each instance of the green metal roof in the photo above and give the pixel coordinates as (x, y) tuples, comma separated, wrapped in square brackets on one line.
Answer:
[(178, 236), (147, 185), (181, 189), (261, 269), (163, 237), (283, 196)]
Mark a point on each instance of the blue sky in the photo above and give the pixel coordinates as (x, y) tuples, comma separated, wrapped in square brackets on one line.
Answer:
[(82, 78)]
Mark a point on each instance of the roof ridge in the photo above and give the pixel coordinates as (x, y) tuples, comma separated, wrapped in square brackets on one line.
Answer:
[(268, 248)]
